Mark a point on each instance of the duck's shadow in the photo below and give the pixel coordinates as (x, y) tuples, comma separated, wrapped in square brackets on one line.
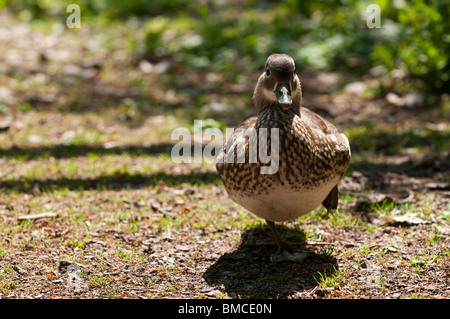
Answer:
[(247, 272)]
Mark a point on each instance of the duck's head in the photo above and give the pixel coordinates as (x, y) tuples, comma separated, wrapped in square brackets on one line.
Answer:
[(278, 86)]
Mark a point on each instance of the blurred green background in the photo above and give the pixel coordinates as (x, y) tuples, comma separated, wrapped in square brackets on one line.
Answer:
[(325, 35)]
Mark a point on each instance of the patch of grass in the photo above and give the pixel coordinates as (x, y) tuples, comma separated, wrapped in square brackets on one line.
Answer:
[(111, 292), (169, 289), (170, 269), (99, 281), (330, 279), (447, 252), (131, 255), (6, 281), (384, 207), (4, 249), (326, 252), (435, 237), (445, 216), (382, 283), (364, 251), (421, 263), (337, 218), (168, 221), (76, 242), (346, 197), (417, 295), (124, 253)]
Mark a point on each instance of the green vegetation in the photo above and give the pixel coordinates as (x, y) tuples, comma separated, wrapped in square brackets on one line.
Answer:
[(419, 43), (330, 280), (99, 281), (326, 35), (393, 139)]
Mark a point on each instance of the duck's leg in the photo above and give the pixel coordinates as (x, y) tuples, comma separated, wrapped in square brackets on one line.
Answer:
[(285, 251)]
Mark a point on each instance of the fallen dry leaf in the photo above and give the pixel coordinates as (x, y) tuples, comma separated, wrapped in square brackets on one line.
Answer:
[(408, 219), (38, 216)]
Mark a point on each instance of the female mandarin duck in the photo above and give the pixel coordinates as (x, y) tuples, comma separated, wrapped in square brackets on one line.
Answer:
[(307, 155)]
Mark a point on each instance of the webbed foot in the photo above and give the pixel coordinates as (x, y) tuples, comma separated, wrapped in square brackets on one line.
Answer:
[(285, 252), (286, 255)]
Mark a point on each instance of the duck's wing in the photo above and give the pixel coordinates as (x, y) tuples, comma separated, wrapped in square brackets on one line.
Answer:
[(237, 142), (339, 143), (316, 123)]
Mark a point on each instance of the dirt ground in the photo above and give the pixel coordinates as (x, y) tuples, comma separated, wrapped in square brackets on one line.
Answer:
[(389, 237), (394, 261)]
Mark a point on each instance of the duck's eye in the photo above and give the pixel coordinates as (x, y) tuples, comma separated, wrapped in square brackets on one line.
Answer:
[(267, 72)]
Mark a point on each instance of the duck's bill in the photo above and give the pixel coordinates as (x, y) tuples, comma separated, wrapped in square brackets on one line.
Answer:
[(284, 95)]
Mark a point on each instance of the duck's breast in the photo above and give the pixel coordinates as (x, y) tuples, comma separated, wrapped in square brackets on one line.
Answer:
[(282, 204)]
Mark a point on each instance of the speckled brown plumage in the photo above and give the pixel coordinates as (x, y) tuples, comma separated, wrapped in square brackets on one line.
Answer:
[(313, 156)]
